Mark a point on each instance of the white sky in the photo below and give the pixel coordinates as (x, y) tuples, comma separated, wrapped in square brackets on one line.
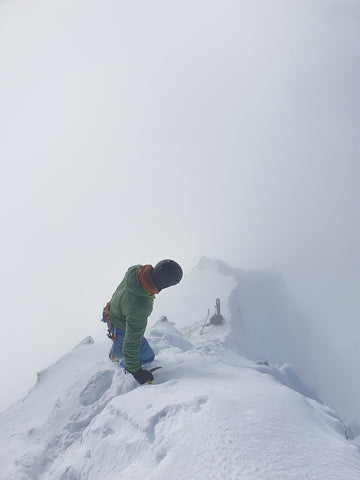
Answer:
[(132, 132)]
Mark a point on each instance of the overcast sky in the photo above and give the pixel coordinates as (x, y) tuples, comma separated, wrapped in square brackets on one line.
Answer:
[(136, 131)]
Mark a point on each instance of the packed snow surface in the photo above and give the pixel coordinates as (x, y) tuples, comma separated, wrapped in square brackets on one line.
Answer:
[(214, 410)]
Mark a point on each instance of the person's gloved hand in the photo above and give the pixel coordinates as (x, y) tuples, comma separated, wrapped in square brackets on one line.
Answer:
[(142, 376)]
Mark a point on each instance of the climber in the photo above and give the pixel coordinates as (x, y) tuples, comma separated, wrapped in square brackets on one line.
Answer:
[(127, 313)]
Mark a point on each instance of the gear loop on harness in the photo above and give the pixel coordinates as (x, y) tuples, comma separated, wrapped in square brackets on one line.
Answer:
[(106, 319), (111, 333)]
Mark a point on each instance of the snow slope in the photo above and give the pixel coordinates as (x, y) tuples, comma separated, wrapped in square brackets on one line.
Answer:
[(213, 412)]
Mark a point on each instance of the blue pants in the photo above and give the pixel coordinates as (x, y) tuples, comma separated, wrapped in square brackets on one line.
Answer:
[(146, 353)]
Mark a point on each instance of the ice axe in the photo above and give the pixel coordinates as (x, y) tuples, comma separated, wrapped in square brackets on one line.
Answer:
[(152, 370)]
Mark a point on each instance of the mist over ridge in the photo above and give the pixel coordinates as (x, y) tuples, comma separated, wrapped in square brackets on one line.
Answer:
[(136, 132)]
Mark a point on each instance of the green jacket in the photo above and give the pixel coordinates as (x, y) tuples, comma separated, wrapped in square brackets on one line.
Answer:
[(130, 307)]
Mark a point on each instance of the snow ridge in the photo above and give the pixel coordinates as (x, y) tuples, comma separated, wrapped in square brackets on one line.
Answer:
[(213, 411)]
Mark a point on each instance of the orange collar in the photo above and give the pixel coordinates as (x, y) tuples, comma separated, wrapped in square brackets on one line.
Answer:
[(144, 277)]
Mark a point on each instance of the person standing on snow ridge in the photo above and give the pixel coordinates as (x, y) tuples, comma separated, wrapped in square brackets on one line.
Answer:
[(127, 313)]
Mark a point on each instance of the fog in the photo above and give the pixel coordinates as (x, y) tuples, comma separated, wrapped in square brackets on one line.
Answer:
[(135, 132)]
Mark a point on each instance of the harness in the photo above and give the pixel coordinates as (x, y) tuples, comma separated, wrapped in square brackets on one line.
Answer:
[(111, 333)]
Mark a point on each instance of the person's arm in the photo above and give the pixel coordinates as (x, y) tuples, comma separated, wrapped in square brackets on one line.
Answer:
[(134, 332)]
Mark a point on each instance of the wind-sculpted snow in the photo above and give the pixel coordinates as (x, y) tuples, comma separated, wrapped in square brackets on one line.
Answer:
[(285, 374), (212, 412), (96, 388), (261, 320), (165, 335)]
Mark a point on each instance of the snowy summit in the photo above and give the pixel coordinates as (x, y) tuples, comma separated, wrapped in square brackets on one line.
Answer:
[(228, 403)]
